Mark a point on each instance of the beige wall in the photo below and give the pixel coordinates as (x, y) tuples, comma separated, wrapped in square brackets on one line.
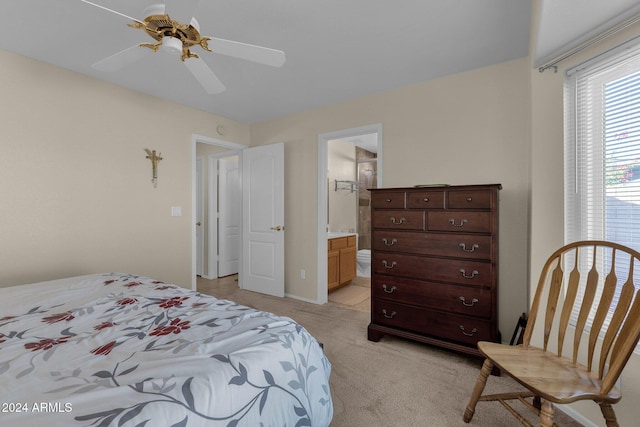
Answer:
[(547, 199), (76, 187), (469, 128)]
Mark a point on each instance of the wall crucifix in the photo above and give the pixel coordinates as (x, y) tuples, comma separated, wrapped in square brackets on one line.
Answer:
[(155, 158)]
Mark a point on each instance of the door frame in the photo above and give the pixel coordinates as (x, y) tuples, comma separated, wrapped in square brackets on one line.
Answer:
[(195, 139), (323, 164)]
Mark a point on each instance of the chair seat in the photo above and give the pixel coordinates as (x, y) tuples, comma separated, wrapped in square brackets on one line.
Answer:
[(551, 377)]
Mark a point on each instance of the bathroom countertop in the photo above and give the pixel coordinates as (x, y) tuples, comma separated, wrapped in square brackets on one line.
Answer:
[(336, 234)]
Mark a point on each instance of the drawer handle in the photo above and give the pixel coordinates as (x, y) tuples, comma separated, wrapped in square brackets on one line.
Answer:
[(393, 264), (469, 199), (393, 220), (391, 316), (473, 247), (464, 302), (469, 334), (386, 242), (388, 200), (390, 291), (474, 273), (453, 222), (426, 200)]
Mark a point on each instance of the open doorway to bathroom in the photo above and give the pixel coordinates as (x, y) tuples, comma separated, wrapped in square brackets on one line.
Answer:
[(352, 166), (352, 171)]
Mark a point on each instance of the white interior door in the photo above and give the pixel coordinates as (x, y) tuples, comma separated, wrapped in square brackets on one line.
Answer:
[(212, 220), (263, 219), (229, 219), (199, 218)]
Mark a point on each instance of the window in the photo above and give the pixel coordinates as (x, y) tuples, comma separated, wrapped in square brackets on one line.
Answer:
[(602, 149)]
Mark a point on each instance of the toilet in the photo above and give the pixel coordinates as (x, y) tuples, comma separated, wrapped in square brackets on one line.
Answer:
[(363, 259)]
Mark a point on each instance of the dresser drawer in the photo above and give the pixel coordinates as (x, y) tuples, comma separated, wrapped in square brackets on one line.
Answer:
[(425, 200), (398, 220), (470, 301), (459, 221), (467, 330), (389, 200), (466, 272), (469, 199), (450, 245)]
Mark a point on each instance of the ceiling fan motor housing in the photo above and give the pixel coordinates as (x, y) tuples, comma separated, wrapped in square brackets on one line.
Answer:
[(172, 36)]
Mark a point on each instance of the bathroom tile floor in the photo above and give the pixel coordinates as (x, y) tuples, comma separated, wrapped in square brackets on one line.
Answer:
[(355, 296)]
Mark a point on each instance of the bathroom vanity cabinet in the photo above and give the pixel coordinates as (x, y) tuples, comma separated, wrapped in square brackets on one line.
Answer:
[(434, 265), (341, 260)]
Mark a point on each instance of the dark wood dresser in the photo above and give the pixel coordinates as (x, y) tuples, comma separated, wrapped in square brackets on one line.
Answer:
[(434, 265)]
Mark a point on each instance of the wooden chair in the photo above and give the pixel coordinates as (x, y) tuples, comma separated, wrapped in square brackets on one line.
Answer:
[(575, 362)]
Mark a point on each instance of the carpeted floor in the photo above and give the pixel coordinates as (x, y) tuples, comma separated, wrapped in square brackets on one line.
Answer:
[(394, 382)]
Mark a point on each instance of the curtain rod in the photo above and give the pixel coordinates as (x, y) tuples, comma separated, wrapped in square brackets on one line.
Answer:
[(614, 30)]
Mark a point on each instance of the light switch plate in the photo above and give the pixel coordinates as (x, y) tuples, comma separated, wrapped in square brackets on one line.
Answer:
[(176, 211)]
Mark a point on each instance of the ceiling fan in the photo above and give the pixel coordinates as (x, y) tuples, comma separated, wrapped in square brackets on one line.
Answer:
[(163, 24)]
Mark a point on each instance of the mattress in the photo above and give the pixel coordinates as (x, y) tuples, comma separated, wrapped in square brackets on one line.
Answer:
[(118, 349)]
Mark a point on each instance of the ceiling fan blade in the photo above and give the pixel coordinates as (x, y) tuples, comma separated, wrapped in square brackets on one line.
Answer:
[(112, 11), (181, 10), (122, 58), (250, 52), (204, 75)]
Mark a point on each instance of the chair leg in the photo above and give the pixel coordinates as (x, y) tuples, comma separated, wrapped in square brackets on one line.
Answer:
[(609, 415), (537, 402), (546, 414), (487, 366)]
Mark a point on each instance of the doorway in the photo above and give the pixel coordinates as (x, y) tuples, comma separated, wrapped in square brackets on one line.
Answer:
[(373, 135), (218, 211), (352, 170), (262, 236), (203, 147)]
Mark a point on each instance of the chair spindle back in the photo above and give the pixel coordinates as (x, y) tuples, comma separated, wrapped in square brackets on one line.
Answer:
[(594, 285)]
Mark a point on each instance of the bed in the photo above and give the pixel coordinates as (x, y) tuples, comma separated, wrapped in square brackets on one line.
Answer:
[(123, 350)]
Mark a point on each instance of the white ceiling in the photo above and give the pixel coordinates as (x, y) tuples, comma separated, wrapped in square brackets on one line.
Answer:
[(570, 22), (336, 50)]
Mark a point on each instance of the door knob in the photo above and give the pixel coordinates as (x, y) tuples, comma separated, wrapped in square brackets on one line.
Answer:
[(277, 228), (198, 223)]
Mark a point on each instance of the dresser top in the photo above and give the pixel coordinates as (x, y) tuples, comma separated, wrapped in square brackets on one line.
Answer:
[(440, 187)]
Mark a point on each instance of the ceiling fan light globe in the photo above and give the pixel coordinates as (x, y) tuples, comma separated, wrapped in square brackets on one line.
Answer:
[(171, 45)]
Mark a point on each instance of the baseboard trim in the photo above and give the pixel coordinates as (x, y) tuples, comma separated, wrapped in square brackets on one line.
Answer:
[(299, 298), (576, 415)]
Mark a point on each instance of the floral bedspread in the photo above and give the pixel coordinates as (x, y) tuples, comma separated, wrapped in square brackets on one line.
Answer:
[(122, 350)]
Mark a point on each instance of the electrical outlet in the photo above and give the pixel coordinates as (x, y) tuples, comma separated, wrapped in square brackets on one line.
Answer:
[(303, 274)]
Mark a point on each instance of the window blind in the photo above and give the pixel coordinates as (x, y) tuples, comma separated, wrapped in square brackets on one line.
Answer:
[(602, 151)]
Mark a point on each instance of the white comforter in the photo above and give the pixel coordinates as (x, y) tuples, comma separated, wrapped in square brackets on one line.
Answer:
[(122, 350)]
